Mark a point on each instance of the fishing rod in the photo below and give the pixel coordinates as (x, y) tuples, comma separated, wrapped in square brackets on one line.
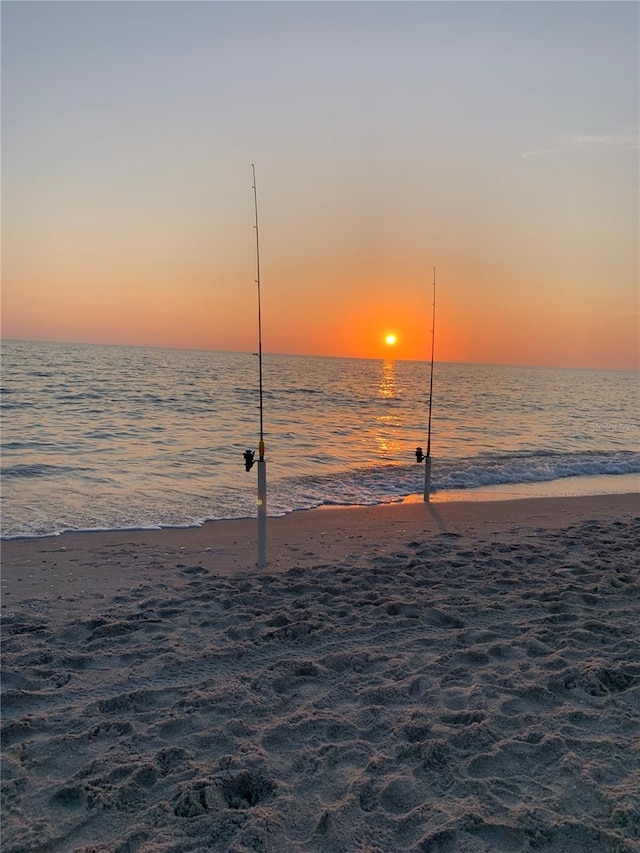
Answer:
[(255, 205), (249, 455), (420, 456)]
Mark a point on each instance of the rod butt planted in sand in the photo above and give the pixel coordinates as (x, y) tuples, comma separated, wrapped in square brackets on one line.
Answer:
[(427, 478), (262, 509)]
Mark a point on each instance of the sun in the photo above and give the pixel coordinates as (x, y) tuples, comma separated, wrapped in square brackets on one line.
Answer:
[(390, 339)]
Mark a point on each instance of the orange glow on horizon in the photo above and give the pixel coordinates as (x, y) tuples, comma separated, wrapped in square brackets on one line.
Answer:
[(353, 315)]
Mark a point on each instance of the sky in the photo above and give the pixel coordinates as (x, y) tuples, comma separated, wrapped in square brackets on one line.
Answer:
[(496, 142)]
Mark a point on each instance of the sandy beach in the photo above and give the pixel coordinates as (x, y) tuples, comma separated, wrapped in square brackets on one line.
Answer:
[(428, 678)]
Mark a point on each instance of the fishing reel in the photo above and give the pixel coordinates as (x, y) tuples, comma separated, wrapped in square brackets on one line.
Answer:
[(420, 457), (250, 457)]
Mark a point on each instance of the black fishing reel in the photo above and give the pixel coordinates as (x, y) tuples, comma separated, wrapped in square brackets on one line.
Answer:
[(249, 459), (420, 457)]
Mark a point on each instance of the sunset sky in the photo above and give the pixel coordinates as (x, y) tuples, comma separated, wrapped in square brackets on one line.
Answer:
[(496, 141)]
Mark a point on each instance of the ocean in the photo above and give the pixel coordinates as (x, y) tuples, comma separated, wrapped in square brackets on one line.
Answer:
[(109, 437)]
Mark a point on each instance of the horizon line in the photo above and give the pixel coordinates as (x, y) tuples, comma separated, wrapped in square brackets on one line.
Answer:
[(426, 360)]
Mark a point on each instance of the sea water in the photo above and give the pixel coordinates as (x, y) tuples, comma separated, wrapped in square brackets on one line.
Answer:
[(107, 437)]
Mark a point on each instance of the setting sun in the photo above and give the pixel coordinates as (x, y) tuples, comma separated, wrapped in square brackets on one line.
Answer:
[(390, 339)]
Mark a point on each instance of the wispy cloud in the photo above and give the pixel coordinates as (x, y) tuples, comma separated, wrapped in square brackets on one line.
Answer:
[(537, 152), (589, 142)]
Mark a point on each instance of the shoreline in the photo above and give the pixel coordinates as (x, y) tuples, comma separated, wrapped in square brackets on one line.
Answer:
[(72, 569), (564, 487)]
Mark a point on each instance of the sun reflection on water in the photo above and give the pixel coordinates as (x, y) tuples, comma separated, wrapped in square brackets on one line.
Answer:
[(388, 421), (387, 384)]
